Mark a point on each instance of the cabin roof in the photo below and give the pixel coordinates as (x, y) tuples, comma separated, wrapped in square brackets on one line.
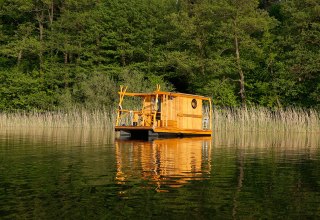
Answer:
[(175, 94)]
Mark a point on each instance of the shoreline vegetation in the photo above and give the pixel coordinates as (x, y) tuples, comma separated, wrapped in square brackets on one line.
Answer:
[(260, 119), (251, 119), (57, 54), (75, 118)]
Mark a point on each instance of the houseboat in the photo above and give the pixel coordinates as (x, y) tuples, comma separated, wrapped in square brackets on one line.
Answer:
[(163, 113)]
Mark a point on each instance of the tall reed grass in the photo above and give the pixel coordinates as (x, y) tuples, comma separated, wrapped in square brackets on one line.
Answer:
[(59, 119), (255, 119)]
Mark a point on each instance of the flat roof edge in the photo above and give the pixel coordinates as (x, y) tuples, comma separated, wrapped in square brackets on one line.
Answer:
[(176, 94)]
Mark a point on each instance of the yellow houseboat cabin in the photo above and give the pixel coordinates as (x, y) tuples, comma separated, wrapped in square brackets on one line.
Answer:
[(163, 113)]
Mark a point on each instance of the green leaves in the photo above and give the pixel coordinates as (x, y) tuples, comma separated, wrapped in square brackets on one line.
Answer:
[(222, 92), (21, 91), (56, 54)]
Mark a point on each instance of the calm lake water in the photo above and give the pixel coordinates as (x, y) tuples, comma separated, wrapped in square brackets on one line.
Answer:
[(85, 174)]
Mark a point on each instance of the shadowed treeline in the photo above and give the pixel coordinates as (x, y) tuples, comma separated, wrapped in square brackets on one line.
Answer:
[(59, 54)]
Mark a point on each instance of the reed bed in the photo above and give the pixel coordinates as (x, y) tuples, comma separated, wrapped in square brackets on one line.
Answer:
[(253, 119), (77, 118), (256, 119)]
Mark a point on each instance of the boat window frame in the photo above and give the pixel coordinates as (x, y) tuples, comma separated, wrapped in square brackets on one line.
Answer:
[(194, 103)]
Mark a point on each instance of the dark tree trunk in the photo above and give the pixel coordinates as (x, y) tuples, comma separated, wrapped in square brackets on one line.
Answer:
[(241, 74), (19, 57), (40, 18)]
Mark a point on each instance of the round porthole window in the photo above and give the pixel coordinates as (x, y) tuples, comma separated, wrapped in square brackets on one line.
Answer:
[(194, 103)]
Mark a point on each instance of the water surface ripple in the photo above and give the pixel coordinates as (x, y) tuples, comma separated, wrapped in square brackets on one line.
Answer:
[(81, 174)]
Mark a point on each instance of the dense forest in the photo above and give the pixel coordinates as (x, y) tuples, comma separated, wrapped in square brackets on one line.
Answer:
[(58, 54)]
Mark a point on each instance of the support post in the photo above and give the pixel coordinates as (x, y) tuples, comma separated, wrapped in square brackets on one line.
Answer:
[(121, 96)]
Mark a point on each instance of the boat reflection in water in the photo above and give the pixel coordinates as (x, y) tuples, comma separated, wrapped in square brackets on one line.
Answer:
[(164, 163)]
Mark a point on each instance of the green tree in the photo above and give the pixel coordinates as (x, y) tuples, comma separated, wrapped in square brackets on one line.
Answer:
[(23, 91), (75, 52), (220, 43), (299, 39), (242, 29)]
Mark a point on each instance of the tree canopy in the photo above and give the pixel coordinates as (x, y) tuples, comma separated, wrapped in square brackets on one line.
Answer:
[(56, 54)]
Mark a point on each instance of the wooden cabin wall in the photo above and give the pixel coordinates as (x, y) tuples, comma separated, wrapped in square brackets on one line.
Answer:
[(197, 122), (190, 118), (178, 112), (169, 110)]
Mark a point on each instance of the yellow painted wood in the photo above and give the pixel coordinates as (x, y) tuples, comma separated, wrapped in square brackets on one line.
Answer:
[(189, 115), (172, 123), (176, 114), (123, 91)]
